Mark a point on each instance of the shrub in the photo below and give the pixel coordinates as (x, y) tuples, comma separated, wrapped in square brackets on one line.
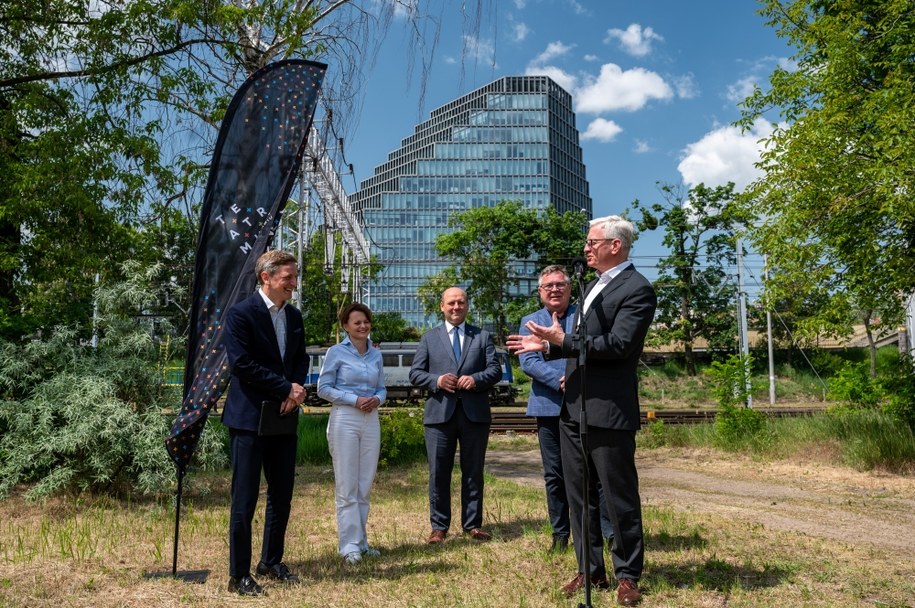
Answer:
[(653, 435), (402, 437), (852, 384), (312, 443), (83, 418), (738, 425), (899, 386), (89, 419), (734, 423)]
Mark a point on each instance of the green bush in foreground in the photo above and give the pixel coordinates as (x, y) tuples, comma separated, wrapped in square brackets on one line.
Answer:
[(76, 417)]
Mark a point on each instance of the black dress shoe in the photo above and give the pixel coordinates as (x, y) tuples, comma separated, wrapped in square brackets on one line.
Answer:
[(278, 572), (245, 585), (560, 544)]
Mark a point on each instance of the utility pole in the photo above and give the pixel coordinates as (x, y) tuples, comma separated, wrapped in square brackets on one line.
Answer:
[(742, 321), (769, 336)]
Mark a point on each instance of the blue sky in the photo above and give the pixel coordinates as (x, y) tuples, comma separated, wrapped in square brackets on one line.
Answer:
[(655, 85)]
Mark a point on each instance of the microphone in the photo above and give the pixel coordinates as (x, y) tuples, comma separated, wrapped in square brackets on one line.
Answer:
[(578, 267)]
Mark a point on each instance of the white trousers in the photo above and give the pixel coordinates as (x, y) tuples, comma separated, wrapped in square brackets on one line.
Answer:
[(354, 439)]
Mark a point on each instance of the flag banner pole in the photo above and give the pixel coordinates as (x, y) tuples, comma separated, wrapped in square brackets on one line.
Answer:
[(256, 159)]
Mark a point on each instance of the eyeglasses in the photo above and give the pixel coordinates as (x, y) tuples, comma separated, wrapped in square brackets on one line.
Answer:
[(590, 243), (554, 286)]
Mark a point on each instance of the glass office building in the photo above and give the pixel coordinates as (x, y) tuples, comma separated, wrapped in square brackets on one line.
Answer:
[(513, 139)]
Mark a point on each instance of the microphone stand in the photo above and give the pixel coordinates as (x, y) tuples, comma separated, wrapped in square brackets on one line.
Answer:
[(583, 440)]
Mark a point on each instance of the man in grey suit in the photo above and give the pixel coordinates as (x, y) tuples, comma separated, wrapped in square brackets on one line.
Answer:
[(617, 310), (456, 362)]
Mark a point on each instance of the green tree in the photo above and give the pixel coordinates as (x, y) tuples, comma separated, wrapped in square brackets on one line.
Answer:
[(486, 248), (108, 116), (838, 217), (696, 299), (391, 327)]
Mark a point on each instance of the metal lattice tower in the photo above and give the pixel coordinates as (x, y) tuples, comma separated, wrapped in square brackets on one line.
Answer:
[(321, 195)]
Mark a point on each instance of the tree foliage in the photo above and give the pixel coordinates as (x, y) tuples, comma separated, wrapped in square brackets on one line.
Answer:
[(391, 327), (836, 195), (108, 116), (76, 418), (696, 296), (487, 247)]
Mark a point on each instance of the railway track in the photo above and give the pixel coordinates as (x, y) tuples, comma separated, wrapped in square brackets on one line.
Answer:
[(504, 421)]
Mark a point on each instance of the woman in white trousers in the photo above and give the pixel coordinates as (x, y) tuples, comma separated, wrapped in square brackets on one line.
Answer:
[(352, 379)]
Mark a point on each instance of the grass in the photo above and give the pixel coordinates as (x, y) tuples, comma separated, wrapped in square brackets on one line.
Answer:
[(95, 550), (864, 440), (666, 386)]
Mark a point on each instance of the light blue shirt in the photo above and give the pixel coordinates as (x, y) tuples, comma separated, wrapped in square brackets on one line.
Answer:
[(347, 375), (546, 397)]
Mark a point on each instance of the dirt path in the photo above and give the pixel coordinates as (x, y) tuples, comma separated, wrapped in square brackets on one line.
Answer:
[(808, 498)]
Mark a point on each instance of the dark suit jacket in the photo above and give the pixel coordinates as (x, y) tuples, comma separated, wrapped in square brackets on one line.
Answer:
[(258, 373), (435, 357), (615, 326)]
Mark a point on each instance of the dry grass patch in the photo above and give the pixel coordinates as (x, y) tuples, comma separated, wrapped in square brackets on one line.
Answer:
[(94, 551)]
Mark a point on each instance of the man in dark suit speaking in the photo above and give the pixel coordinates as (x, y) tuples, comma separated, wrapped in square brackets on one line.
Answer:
[(265, 344), (617, 310), (456, 362)]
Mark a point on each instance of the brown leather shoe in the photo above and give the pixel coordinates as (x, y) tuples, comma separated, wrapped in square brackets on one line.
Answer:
[(478, 534), (578, 583), (627, 594), (437, 536)]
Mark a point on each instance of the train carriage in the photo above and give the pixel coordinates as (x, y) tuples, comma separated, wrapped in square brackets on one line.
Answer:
[(397, 358)]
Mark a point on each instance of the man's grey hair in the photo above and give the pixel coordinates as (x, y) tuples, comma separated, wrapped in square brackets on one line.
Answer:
[(272, 261), (615, 227), (553, 268)]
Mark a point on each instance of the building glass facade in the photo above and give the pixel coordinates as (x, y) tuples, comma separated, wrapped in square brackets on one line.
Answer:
[(513, 139)]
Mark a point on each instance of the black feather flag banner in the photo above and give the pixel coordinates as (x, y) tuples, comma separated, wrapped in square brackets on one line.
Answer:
[(257, 156)]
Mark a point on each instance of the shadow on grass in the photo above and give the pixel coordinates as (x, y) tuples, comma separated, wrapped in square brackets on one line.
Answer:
[(510, 530), (399, 561), (716, 574), (662, 541)]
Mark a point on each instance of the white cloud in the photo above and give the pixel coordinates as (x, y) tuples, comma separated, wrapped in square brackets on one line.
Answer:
[(564, 79), (642, 147), (553, 50), (725, 155), (741, 89), (602, 130), (686, 86), (520, 32), (634, 40), (590, 57), (478, 50), (400, 10), (520, 4), (615, 89), (578, 8)]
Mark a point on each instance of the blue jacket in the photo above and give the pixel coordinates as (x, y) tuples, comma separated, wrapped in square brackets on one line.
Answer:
[(545, 398)]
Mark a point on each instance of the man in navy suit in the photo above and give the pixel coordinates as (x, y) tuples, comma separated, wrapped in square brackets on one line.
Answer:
[(265, 344), (456, 362), (617, 311)]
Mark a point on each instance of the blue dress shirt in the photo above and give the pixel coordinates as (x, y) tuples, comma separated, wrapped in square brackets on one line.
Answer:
[(347, 375), (546, 397)]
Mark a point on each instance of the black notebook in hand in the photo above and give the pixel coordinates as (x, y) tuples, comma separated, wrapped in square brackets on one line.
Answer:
[(274, 423)]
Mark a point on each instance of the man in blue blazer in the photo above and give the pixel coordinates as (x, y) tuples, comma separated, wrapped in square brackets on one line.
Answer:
[(456, 362), (617, 311), (265, 344), (545, 403)]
